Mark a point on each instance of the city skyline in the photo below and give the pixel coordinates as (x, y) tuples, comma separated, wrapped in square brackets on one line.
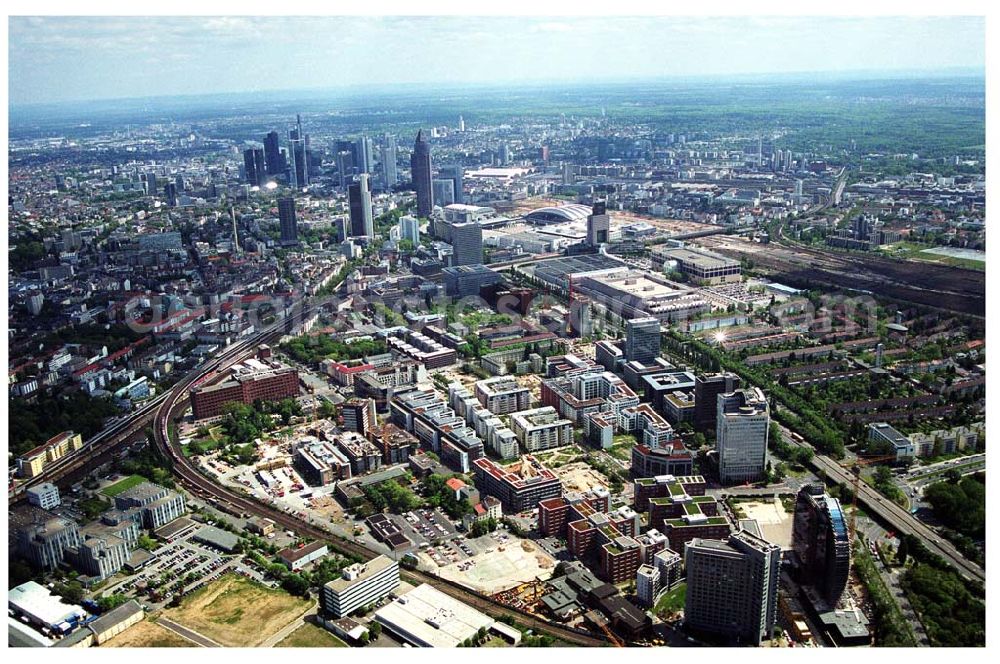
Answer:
[(64, 59)]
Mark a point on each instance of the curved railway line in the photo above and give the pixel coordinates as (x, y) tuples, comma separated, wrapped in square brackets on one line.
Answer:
[(203, 487)]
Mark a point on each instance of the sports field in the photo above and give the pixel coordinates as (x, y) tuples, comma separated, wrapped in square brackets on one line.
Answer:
[(237, 612)]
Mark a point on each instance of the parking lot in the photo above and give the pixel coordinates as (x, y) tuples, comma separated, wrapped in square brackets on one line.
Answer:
[(179, 566), (499, 561), (425, 527)]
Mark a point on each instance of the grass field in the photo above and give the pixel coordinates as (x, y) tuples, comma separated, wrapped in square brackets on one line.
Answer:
[(123, 485), (917, 252), (671, 601), (237, 612), (148, 634), (310, 636)]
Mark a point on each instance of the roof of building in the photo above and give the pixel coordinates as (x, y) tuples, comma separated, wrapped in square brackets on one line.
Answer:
[(366, 570), (115, 616), (291, 555), (428, 617), (559, 213), (36, 601), (176, 526), (217, 537), (699, 257)]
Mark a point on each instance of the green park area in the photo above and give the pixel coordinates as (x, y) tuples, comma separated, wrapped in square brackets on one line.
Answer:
[(122, 486)]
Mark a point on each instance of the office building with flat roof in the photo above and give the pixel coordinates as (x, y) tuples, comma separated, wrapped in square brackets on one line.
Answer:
[(43, 537), (286, 217), (707, 389), (409, 229), (359, 198), (245, 387), (702, 267), (902, 447), (360, 584), (642, 340), (465, 280), (598, 225), (732, 587), (742, 427), (44, 495), (359, 415), (153, 505)]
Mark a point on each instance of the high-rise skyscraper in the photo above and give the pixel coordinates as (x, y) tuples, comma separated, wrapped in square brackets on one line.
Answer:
[(342, 228), (741, 430), (732, 587), (598, 225), (504, 154), (455, 173), (467, 243), (254, 164), (360, 199), (409, 229), (345, 167), (389, 174), (364, 152), (359, 415), (170, 193), (707, 389), (642, 340), (461, 123), (420, 168), (297, 144), (289, 226), (236, 235), (821, 542), (444, 191), (272, 154)]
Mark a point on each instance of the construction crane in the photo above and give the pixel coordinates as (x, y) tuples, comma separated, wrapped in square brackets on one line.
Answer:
[(860, 463)]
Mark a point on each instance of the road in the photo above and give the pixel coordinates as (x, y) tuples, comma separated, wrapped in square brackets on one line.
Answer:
[(899, 519), (188, 634), (192, 479), (102, 447)]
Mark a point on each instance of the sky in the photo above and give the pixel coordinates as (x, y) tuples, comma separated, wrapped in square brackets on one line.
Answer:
[(55, 59)]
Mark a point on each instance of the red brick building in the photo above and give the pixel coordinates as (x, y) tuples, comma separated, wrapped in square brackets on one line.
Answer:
[(270, 385)]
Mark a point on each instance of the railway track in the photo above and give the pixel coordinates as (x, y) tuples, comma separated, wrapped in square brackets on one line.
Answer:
[(192, 479), (894, 515)]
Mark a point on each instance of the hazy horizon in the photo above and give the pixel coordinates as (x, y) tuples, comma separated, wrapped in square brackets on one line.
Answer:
[(55, 60)]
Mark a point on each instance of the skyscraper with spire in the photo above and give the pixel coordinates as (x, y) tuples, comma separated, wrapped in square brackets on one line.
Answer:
[(297, 142), (389, 177), (420, 168)]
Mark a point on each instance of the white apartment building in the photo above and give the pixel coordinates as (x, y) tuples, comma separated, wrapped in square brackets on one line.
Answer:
[(541, 429)]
